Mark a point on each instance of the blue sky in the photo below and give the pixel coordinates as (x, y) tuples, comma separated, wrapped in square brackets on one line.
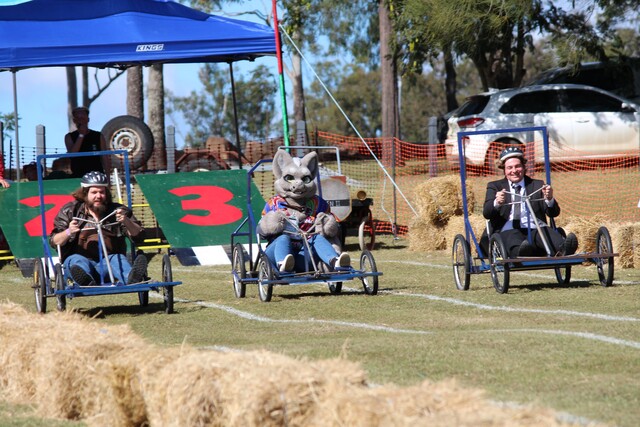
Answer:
[(42, 98)]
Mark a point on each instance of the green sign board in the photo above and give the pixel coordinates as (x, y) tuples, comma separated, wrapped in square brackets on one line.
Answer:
[(200, 208), (21, 214)]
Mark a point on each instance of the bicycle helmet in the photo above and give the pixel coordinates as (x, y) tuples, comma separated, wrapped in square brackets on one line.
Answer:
[(510, 152), (95, 179)]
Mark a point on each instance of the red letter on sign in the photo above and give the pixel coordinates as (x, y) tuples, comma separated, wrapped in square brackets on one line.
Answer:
[(212, 200)]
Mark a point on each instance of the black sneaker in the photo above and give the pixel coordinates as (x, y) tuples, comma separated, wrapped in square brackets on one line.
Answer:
[(570, 244), (138, 271), (525, 249), (81, 277)]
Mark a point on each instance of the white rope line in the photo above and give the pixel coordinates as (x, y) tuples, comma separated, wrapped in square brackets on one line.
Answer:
[(348, 120)]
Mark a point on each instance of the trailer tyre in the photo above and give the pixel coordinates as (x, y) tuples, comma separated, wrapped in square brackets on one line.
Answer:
[(131, 134)]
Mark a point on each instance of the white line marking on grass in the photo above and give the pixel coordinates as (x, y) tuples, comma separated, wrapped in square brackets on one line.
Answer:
[(517, 310), (251, 316), (541, 276), (586, 335)]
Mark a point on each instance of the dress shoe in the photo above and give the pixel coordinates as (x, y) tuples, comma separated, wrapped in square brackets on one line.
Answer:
[(570, 245)]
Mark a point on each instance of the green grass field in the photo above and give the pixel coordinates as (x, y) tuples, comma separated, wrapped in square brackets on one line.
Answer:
[(574, 348)]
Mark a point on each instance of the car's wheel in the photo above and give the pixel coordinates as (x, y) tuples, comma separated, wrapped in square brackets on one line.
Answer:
[(200, 165), (499, 269), (239, 271), (461, 257), (167, 291), (61, 300), (131, 134), (604, 265), (40, 286), (143, 298), (334, 287)]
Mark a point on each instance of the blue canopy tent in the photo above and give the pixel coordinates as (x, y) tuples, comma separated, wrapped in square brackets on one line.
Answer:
[(122, 33)]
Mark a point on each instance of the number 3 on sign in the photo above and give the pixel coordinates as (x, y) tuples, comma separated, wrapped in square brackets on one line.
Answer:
[(212, 200)]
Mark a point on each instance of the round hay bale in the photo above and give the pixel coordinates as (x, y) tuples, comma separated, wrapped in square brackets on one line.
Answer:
[(440, 198), (425, 236)]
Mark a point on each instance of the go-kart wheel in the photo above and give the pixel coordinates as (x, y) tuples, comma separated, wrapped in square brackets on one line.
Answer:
[(265, 273), (499, 269), (563, 275), (334, 287), (367, 234), (239, 271), (143, 298), (461, 256), (368, 265), (40, 286), (61, 300), (167, 291), (604, 265)]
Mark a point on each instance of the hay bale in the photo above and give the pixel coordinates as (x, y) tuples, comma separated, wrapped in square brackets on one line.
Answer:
[(585, 230), (456, 226), (425, 236), (440, 404), (622, 238), (440, 198)]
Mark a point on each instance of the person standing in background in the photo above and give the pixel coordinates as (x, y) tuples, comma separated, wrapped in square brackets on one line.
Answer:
[(3, 181), (84, 140)]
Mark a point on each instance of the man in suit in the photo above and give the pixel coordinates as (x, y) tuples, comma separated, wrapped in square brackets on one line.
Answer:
[(513, 220)]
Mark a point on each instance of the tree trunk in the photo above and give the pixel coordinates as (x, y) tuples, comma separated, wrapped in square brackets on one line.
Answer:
[(388, 74), (85, 87), (156, 117), (135, 93), (450, 80), (72, 93), (298, 96)]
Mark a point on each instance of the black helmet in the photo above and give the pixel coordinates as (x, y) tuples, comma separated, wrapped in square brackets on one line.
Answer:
[(95, 179)]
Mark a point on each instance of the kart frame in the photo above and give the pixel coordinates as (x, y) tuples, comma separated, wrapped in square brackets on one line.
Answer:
[(48, 274), (251, 266), (497, 261)]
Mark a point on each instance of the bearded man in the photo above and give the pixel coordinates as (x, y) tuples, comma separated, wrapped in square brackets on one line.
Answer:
[(80, 250)]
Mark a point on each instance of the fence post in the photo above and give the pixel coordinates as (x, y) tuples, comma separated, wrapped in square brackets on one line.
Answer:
[(170, 146), (433, 147)]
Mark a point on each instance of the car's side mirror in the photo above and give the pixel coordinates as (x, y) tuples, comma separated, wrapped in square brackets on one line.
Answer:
[(626, 108)]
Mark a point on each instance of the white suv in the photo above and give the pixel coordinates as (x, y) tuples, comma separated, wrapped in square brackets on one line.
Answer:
[(582, 122)]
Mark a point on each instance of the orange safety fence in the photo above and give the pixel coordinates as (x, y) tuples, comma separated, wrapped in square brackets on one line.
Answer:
[(583, 185)]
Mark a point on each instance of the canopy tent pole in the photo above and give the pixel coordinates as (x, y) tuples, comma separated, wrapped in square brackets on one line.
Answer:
[(235, 115), (15, 113), (283, 97)]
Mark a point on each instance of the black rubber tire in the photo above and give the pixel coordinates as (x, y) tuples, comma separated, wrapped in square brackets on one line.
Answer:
[(563, 275), (61, 300), (368, 265), (200, 165), (604, 265), (143, 298), (499, 271), (335, 288), (461, 259), (167, 291), (265, 272), (131, 134), (40, 286), (239, 271)]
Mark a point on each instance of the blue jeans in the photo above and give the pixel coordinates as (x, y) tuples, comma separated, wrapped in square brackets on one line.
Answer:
[(119, 266), (283, 245)]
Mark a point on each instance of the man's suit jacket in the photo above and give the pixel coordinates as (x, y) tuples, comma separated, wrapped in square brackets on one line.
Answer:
[(499, 216)]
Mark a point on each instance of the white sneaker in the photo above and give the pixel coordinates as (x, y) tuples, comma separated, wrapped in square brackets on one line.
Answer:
[(287, 263), (344, 260)]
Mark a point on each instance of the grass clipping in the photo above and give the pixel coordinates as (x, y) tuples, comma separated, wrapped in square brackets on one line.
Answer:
[(70, 367)]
